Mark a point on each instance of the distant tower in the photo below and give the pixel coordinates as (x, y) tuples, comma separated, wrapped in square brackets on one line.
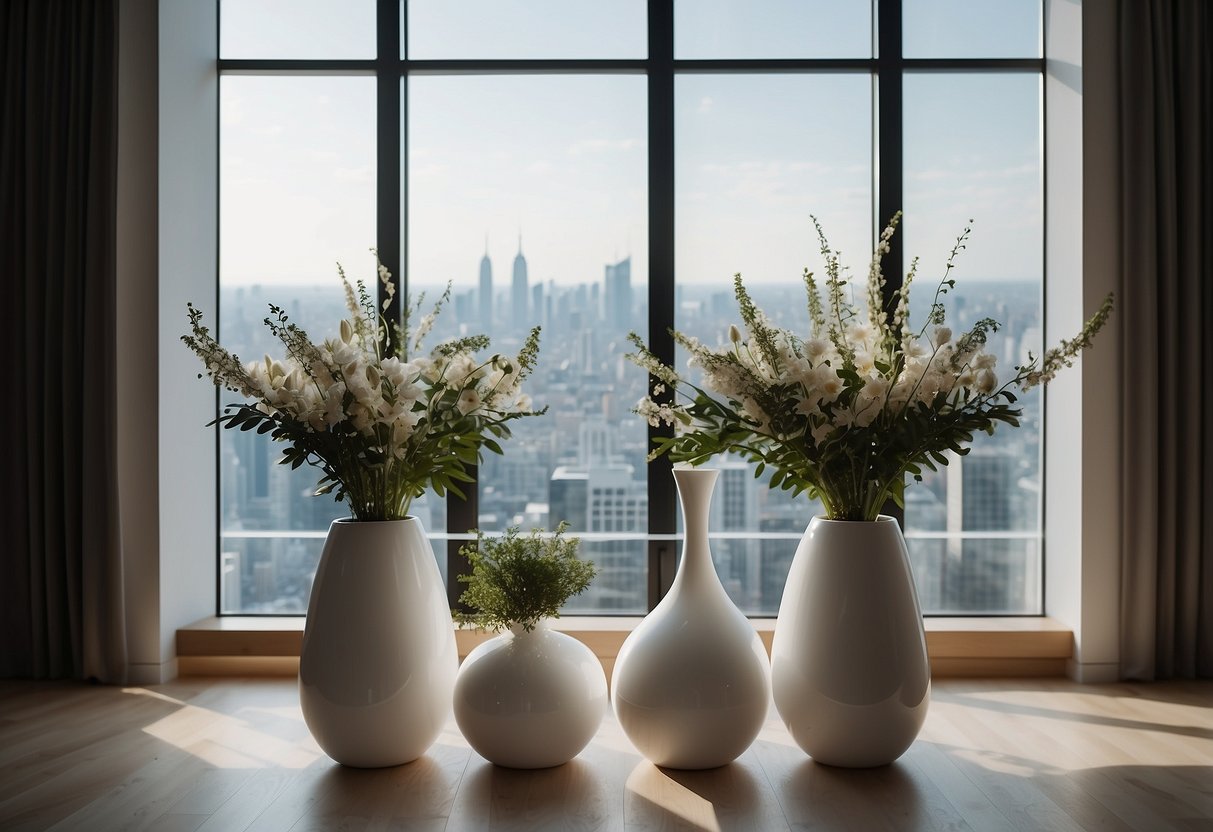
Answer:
[(537, 304), (519, 290), (617, 294), (486, 287)]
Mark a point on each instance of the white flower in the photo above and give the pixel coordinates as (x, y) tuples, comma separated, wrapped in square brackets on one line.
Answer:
[(942, 335), (395, 371), (874, 387), (523, 403), (913, 348), (929, 386), (333, 400), (860, 334), (865, 362), (826, 382), (816, 348), (468, 401), (984, 361), (734, 334), (808, 407), (987, 381), (427, 367)]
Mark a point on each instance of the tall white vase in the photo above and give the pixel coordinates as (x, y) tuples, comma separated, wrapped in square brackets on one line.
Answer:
[(378, 661), (692, 682), (849, 660), (530, 700)]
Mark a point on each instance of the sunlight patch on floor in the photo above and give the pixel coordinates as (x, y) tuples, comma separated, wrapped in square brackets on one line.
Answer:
[(668, 795), (227, 742)]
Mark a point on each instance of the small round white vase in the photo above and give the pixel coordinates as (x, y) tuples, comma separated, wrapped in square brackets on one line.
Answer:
[(849, 664), (692, 681), (530, 700), (378, 661)]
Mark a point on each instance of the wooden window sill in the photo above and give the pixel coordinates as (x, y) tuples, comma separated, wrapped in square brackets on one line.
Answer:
[(255, 646)]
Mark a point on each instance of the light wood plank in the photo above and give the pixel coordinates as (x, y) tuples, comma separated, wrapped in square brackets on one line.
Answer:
[(234, 754)]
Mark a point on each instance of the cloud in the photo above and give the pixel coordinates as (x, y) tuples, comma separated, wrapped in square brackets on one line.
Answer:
[(357, 174), (604, 146)]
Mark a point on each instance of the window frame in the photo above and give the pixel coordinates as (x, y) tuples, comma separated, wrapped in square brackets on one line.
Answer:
[(392, 68)]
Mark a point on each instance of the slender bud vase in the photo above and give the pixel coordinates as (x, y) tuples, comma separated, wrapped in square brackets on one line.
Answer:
[(849, 660), (692, 681), (378, 661)]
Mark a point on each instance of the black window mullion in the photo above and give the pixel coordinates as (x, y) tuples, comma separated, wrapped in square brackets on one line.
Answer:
[(662, 503), (888, 156), (388, 194)]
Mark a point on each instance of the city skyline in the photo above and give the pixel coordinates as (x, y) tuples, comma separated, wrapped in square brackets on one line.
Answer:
[(586, 462)]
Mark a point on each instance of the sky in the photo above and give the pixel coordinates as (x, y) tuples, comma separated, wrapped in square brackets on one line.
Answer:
[(562, 160)]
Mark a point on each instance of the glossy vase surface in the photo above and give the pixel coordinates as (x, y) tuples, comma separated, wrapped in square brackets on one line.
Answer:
[(849, 664), (378, 661), (530, 700), (692, 682)]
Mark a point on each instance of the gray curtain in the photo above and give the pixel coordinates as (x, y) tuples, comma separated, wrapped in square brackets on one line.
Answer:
[(1166, 107), (61, 607)]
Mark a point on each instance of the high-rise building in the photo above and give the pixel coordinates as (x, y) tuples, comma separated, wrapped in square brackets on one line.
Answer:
[(518, 294), (568, 496), (486, 288), (537, 305), (617, 294)]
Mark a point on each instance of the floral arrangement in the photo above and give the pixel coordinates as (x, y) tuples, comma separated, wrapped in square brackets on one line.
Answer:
[(847, 411), (518, 581), (380, 417)]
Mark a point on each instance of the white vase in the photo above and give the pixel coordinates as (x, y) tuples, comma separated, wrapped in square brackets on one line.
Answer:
[(530, 700), (692, 681), (378, 660), (849, 660)]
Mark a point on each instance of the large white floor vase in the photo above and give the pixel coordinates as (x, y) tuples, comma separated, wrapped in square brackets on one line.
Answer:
[(378, 661), (692, 682), (530, 700), (849, 658)]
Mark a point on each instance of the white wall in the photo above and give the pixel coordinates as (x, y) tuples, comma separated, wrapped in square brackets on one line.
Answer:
[(137, 333), (188, 193), (1082, 555)]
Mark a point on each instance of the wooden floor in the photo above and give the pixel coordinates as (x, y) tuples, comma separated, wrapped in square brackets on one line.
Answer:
[(234, 754)]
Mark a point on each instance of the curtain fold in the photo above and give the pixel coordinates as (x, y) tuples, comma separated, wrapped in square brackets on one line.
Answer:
[(1166, 107), (61, 561)]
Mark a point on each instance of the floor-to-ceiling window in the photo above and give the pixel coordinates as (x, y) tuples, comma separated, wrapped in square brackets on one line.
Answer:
[(599, 168)]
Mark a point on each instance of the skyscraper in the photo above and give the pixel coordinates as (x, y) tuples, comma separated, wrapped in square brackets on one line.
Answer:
[(486, 288), (519, 291), (617, 294)]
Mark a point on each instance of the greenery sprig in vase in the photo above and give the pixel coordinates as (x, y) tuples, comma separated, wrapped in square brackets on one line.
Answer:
[(381, 417), (847, 410), (532, 697), (517, 581)]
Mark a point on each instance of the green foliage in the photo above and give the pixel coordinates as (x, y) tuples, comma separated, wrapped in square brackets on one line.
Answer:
[(381, 423), (518, 581), (851, 409)]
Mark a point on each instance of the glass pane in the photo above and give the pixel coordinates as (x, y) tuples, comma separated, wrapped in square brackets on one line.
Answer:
[(297, 29), (749, 172), (526, 29), (968, 29), (772, 29), (297, 194), (985, 166), (984, 575), (543, 220)]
